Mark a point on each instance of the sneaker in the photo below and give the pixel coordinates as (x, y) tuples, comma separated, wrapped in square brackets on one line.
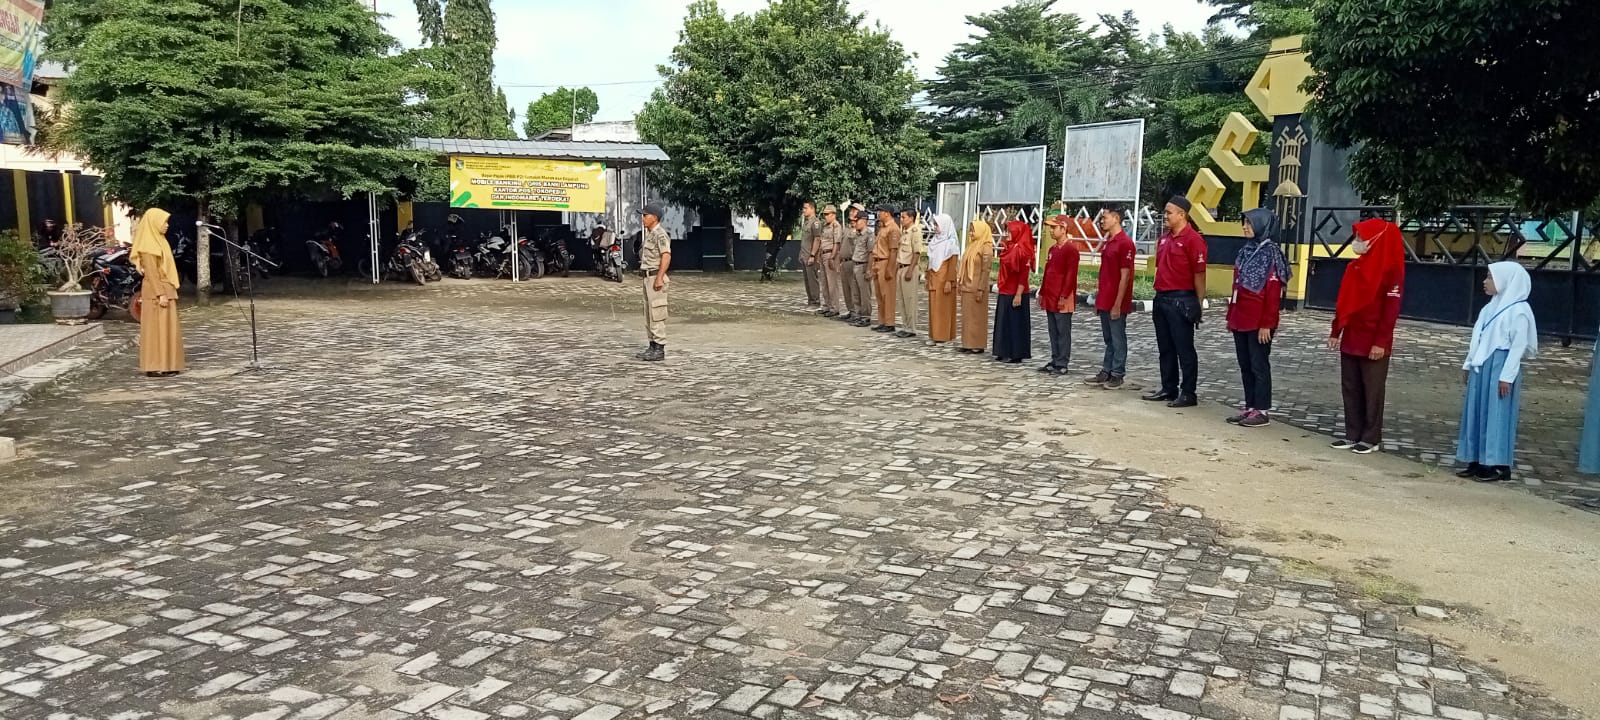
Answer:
[(1113, 384), (1364, 449), (1341, 444), (1049, 368), (1255, 420), (1236, 419), (1099, 379)]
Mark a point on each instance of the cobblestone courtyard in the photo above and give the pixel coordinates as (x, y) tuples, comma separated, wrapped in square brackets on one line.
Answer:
[(470, 503)]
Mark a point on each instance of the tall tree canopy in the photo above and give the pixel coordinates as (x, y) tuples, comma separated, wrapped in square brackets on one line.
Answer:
[(1187, 85), (1265, 19), (563, 107), (223, 102), (462, 99), (1026, 73), (1451, 101), (797, 101)]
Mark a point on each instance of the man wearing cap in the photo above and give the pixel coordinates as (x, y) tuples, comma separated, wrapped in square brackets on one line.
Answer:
[(908, 262), (857, 255), (810, 228), (829, 241), (1180, 288), (655, 256), (885, 253), (1058, 294)]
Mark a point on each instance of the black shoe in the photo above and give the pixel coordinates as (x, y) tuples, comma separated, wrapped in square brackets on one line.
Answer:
[(1014, 361), (905, 334), (1497, 473), (1472, 470), (1184, 401), (655, 353), (1342, 444), (1049, 368), (1159, 396), (999, 359), (883, 328), (1364, 448)]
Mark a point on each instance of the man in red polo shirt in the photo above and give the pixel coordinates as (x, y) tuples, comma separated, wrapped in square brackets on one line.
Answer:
[(1058, 294), (1113, 299), (1180, 287)]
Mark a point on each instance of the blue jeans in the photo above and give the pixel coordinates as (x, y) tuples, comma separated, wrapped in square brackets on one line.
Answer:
[(1115, 333)]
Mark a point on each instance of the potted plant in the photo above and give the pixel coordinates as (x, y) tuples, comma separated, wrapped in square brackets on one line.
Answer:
[(22, 278), (76, 251)]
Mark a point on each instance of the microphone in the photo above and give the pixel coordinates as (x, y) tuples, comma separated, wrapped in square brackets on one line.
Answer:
[(202, 223)]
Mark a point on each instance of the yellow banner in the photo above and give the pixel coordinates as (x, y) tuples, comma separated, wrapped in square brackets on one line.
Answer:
[(518, 184), (19, 41)]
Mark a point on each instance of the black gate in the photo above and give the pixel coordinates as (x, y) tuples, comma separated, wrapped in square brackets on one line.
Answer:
[(1447, 258)]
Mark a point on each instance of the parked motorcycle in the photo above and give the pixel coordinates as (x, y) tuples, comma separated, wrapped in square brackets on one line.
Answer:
[(418, 241), (324, 250), (492, 257), (115, 282), (407, 260), (553, 253), (607, 253)]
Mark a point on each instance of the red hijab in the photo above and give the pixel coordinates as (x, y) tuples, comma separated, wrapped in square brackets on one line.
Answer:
[(1021, 246), (1384, 262)]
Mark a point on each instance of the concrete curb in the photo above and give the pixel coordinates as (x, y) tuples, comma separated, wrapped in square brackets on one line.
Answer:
[(1144, 306), (92, 355)]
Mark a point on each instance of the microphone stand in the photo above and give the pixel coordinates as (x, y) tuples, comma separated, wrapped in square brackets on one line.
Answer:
[(250, 290)]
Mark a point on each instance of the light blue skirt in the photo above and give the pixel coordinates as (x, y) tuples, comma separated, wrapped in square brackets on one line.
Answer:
[(1488, 421), (1589, 443)]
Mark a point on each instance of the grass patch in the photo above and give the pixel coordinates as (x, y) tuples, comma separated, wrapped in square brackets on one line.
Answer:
[(1368, 584)]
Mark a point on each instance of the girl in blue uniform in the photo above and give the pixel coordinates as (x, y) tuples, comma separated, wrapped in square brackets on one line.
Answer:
[(1503, 337)]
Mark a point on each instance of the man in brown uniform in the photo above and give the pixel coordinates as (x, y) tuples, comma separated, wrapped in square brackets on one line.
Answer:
[(857, 255), (810, 227), (655, 256), (885, 254), (830, 241)]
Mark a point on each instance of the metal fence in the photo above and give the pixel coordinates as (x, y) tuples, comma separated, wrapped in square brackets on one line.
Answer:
[(1447, 258)]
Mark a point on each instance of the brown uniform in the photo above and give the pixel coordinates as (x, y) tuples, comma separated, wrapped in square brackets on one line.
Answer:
[(829, 241), (656, 243), (884, 255)]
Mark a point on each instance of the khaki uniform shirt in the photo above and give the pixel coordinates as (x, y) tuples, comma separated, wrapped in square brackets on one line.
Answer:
[(911, 245), (656, 243), (858, 245), (828, 238), (808, 236)]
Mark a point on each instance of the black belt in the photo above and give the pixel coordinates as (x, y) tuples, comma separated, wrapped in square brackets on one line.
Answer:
[(906, 264), (1175, 293)]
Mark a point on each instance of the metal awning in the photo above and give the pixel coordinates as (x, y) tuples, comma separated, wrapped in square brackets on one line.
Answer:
[(614, 154)]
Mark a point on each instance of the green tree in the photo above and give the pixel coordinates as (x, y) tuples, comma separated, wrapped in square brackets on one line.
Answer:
[(1187, 86), (1026, 73), (563, 107), (477, 107), (221, 103), (1265, 19), (798, 101), (1451, 101)]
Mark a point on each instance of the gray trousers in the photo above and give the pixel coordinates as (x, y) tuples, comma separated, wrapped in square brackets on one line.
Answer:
[(1060, 325), (813, 275), (906, 299), (859, 284)]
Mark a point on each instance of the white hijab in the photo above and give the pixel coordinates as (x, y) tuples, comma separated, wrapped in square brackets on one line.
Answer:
[(944, 244), (1507, 321)]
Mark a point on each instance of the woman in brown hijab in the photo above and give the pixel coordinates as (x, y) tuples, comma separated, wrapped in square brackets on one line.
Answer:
[(973, 284), (160, 338)]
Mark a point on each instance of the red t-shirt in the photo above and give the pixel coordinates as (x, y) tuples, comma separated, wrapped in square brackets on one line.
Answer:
[(1179, 258), (1373, 325), (1016, 263), (1115, 256), (1250, 311), (1060, 280)]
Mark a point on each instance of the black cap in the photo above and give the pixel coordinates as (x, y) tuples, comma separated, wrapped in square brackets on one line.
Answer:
[(652, 210), (1182, 202), (887, 209)]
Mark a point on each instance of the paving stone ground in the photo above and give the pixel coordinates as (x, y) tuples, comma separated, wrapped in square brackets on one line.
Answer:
[(469, 503)]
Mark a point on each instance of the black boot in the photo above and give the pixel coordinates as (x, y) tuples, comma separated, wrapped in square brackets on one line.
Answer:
[(1470, 471), (655, 353)]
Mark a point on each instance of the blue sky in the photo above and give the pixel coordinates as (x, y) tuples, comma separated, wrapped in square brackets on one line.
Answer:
[(614, 46)]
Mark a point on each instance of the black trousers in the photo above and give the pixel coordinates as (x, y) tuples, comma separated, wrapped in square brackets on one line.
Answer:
[(1175, 315), (1255, 368), (1363, 381)]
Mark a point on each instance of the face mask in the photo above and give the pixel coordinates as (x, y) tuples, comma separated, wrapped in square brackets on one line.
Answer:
[(1361, 247)]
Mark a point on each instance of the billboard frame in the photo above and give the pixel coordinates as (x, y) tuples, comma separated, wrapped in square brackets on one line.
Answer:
[(1138, 183), (1044, 159)]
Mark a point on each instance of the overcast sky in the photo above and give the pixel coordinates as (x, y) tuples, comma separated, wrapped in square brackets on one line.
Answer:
[(614, 46)]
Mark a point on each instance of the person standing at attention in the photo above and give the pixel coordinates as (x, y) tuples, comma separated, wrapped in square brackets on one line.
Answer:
[(885, 252), (810, 228), (943, 267), (907, 264), (829, 240), (1363, 330), (1503, 337), (1058, 294), (655, 256), (1013, 331), (160, 336), (976, 262), (1180, 289), (1113, 299), (1259, 273), (854, 269)]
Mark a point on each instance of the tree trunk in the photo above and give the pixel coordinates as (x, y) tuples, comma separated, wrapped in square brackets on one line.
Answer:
[(728, 238), (202, 256)]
